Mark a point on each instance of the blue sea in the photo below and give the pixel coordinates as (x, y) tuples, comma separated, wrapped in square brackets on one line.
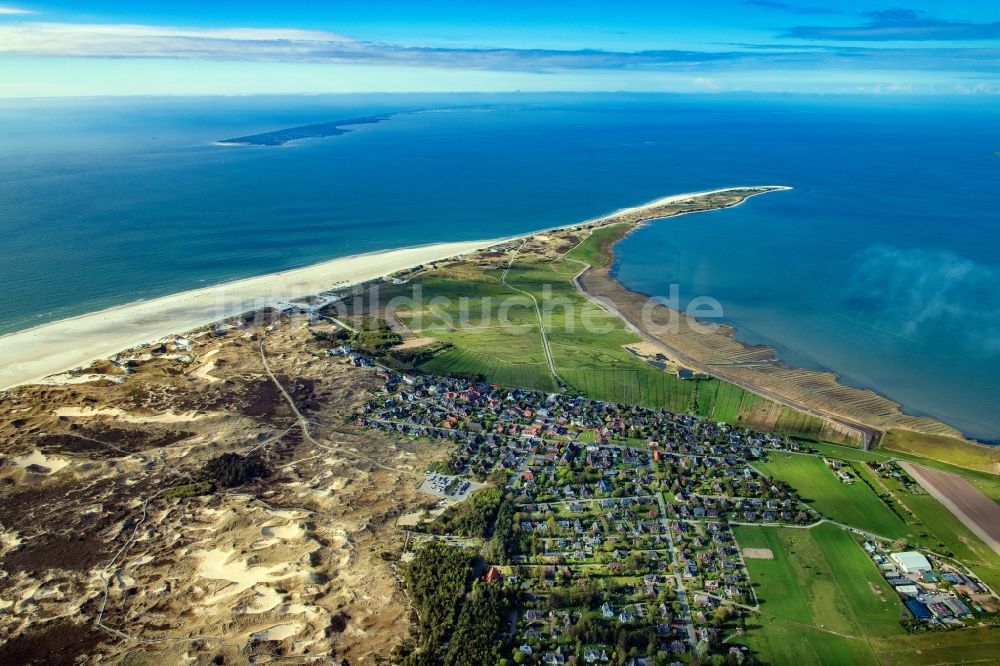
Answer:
[(882, 264)]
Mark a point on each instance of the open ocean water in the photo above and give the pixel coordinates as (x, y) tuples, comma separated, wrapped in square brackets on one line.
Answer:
[(882, 265)]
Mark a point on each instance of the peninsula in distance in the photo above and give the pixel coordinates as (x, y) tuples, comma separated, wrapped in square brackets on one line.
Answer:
[(317, 131), (668, 336)]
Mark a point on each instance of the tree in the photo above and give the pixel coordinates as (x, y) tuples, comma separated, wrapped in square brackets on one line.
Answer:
[(435, 581), (231, 469), (475, 639), (702, 650), (721, 614)]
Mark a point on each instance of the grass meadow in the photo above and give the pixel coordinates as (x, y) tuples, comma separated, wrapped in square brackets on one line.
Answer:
[(853, 504), (821, 597)]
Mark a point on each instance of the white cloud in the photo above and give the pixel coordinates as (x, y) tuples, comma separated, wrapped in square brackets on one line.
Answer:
[(780, 70), (923, 293), (13, 11), (708, 84), (128, 40)]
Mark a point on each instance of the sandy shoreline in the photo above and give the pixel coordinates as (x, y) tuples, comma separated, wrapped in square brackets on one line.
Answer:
[(674, 198), (33, 354)]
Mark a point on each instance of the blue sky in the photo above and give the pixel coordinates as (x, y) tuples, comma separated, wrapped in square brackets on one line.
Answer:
[(114, 47)]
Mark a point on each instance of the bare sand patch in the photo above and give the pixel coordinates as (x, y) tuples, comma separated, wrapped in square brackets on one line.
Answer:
[(976, 511), (278, 632), (283, 532), (414, 343), (36, 457), (218, 564), (204, 371), (69, 379), (644, 348), (267, 599), (410, 519), (122, 415), (758, 554)]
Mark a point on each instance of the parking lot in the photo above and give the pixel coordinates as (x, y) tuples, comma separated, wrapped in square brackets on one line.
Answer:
[(451, 487)]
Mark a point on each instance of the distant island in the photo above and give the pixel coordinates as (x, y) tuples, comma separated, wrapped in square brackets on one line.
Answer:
[(317, 131)]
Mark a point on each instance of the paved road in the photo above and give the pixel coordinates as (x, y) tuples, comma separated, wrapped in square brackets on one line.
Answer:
[(518, 472), (681, 591), (675, 556)]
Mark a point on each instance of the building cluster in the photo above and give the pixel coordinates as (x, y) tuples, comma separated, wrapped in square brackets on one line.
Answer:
[(935, 593), (622, 516), (620, 511)]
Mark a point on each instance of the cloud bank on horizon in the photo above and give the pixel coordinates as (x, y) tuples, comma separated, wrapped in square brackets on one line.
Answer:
[(387, 46)]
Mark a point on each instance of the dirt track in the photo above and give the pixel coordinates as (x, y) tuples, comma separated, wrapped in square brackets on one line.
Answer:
[(976, 511)]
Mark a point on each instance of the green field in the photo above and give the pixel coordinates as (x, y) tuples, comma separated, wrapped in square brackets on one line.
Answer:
[(799, 423), (494, 330), (597, 249), (969, 646), (779, 642), (494, 369), (945, 449), (723, 401), (823, 602), (855, 504), (938, 530), (987, 482), (821, 597)]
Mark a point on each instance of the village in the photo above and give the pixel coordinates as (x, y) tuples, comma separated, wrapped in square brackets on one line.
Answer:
[(622, 513), (621, 538), (621, 547)]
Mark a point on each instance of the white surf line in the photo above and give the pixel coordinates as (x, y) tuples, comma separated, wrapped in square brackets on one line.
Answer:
[(31, 355)]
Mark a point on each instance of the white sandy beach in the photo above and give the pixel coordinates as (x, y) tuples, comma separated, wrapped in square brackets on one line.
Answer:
[(674, 198), (31, 355)]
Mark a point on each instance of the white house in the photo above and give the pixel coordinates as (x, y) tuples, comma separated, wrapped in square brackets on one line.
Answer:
[(911, 561)]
